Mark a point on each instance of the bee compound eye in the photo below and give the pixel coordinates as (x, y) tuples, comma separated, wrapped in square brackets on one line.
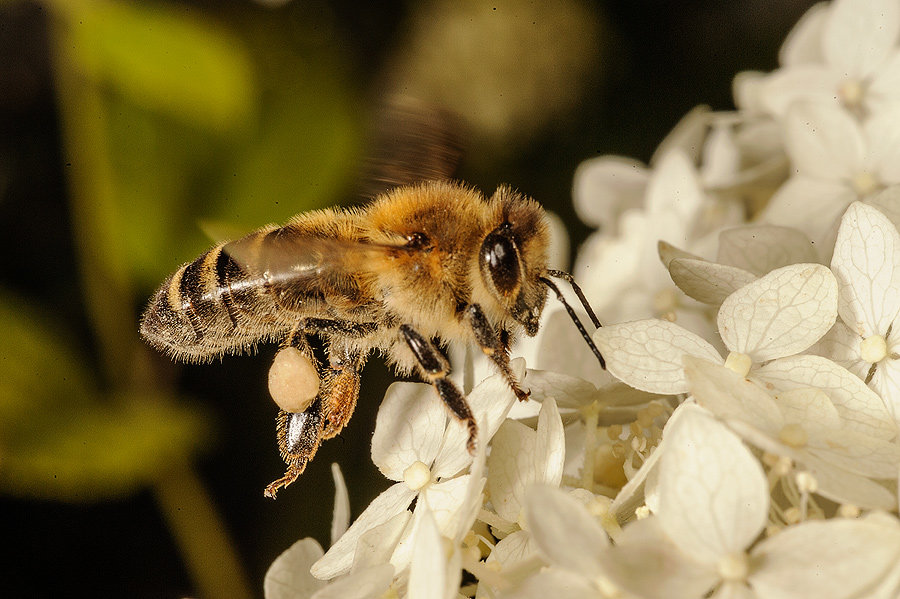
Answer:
[(500, 258)]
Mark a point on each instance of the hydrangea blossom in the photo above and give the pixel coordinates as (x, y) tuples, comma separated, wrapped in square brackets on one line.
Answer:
[(744, 441)]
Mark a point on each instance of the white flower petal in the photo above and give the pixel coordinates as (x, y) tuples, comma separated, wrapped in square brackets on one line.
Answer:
[(513, 549), (490, 401), (606, 186), (886, 383), (859, 35), (888, 203), (860, 409), (708, 282), (647, 354), (866, 263), (569, 392), (365, 584), (730, 396), (288, 577), (564, 531), (856, 452), (805, 83), (560, 348), (808, 406), (803, 44), (376, 545), (842, 346), (339, 559), (823, 141), (780, 314), (674, 186), (882, 131), (832, 559), (549, 445), (646, 563), (556, 583), (340, 520), (843, 486), (713, 494), (427, 569), (409, 428), (810, 205), (763, 248)]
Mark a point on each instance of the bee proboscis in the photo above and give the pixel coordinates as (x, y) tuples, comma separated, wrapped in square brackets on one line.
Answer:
[(419, 267)]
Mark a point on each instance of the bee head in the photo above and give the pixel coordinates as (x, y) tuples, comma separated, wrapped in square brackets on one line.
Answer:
[(513, 256)]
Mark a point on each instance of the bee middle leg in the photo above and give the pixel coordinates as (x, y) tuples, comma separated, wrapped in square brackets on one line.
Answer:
[(435, 369), (494, 346)]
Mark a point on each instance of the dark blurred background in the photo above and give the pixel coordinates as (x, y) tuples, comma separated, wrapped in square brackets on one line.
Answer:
[(134, 135)]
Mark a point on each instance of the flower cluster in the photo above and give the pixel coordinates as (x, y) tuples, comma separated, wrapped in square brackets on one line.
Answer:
[(744, 441)]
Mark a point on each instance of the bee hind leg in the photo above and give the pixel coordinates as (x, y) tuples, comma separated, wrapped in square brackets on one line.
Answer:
[(343, 390), (494, 346), (299, 435), (435, 369)]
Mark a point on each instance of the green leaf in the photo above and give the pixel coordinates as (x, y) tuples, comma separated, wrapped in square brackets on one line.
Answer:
[(164, 58), (38, 369), (101, 452)]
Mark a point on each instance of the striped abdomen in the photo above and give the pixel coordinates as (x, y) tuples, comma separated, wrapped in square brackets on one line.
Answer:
[(215, 304)]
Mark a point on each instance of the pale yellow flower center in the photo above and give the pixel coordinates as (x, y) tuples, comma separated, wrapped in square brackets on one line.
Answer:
[(873, 349), (852, 92), (793, 435), (665, 303), (734, 567), (865, 183), (417, 475), (739, 363)]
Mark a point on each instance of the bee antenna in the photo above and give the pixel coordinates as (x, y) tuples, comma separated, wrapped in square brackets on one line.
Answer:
[(559, 274), (571, 312)]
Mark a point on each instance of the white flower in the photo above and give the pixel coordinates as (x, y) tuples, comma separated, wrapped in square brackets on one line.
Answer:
[(713, 504), (745, 253), (778, 315), (845, 54), (866, 263), (803, 424), (418, 444), (836, 160)]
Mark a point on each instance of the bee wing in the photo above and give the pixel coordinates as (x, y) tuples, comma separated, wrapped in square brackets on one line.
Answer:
[(298, 264), (412, 142)]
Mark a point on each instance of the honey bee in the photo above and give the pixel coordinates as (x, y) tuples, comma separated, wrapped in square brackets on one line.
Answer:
[(417, 268)]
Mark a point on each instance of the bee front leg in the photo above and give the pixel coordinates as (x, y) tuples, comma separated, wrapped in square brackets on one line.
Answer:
[(435, 369), (299, 436), (494, 346)]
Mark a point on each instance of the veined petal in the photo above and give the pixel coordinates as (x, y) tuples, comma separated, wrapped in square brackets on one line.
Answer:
[(713, 494), (859, 407), (856, 452), (647, 354), (340, 519), (569, 391), (780, 314), (708, 282), (886, 383), (376, 545), (409, 428), (826, 559), (888, 203), (860, 34), (556, 583), (549, 445), (564, 531), (674, 186), (760, 249), (866, 264)]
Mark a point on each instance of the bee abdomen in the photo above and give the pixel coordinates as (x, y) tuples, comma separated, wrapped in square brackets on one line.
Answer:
[(208, 307)]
